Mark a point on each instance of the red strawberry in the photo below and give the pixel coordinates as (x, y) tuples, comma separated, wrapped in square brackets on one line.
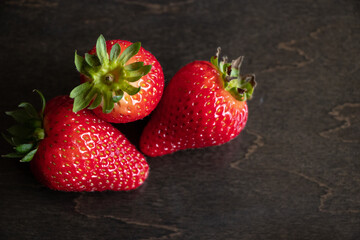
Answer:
[(203, 105), (122, 81), (75, 151)]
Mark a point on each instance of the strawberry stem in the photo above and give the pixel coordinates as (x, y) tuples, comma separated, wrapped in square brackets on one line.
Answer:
[(240, 87), (108, 76)]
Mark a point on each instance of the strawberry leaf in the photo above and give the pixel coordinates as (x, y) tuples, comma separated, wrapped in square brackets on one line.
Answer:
[(80, 89), (108, 103), (96, 102), (135, 75), (78, 60), (101, 50), (30, 110), (115, 52), (29, 156), (214, 60), (118, 97), (13, 155), (134, 66), (129, 52), (92, 60), (8, 139), (19, 115), (81, 65), (19, 131), (24, 148), (84, 99), (129, 89)]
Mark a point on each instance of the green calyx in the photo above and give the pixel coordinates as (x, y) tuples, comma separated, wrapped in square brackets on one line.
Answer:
[(28, 131), (240, 87), (108, 76)]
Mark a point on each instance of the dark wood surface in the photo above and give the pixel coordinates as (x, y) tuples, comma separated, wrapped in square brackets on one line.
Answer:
[(293, 173)]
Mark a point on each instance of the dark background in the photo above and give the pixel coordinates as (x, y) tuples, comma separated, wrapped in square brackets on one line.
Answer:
[(293, 173)]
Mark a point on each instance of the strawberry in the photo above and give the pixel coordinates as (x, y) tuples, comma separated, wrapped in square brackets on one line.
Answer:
[(122, 81), (203, 105), (74, 151)]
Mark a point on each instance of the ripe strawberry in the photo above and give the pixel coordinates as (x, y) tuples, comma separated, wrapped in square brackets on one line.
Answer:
[(122, 81), (75, 151), (203, 105)]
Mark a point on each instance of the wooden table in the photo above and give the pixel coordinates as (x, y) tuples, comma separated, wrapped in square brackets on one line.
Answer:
[(293, 173)]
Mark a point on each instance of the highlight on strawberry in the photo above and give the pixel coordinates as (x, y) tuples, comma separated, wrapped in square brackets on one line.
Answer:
[(71, 151), (121, 81), (203, 105)]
